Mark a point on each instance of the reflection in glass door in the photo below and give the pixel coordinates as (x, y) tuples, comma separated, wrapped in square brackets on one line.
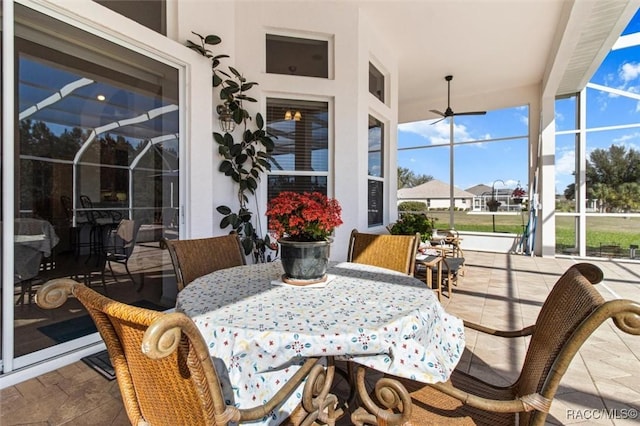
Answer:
[(97, 145)]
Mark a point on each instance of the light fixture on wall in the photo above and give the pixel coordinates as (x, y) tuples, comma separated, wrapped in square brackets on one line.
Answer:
[(296, 116), (226, 118)]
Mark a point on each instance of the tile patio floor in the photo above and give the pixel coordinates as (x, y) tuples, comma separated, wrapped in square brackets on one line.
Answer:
[(502, 291)]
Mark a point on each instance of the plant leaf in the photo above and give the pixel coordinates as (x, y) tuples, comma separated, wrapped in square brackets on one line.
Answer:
[(247, 244), (236, 149), (252, 184), (241, 158), (259, 121), (225, 222), (235, 72), (226, 166), (238, 116), (218, 138), (225, 210), (212, 39)]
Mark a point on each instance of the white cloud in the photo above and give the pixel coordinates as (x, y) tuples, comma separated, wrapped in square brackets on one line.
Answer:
[(629, 71), (566, 162), (559, 116), (628, 141), (438, 133)]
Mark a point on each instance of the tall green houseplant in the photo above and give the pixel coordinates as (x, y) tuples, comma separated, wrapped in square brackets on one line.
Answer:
[(246, 159)]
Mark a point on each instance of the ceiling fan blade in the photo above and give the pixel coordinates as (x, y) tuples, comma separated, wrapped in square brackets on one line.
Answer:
[(449, 112), (470, 113)]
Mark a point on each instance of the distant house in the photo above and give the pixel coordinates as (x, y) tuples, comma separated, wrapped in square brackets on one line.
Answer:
[(483, 192), (435, 194)]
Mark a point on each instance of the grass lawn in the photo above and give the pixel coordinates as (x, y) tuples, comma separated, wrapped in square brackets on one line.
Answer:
[(606, 236)]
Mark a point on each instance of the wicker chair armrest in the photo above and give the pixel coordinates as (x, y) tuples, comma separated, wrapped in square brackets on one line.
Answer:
[(527, 331), (397, 406), (524, 403), (55, 292)]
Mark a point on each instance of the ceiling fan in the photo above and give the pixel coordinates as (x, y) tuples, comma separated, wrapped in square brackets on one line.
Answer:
[(449, 112)]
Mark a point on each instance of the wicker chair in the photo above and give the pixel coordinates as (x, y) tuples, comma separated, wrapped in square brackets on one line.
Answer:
[(573, 310), (397, 252), (121, 243), (163, 367), (197, 257)]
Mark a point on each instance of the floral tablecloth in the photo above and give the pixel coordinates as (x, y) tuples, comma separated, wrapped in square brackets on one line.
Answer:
[(259, 333)]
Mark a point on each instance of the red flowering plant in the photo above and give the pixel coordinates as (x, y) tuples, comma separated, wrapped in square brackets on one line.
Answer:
[(518, 192), (307, 216)]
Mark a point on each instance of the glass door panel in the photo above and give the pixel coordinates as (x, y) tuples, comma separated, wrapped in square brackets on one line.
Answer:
[(97, 143)]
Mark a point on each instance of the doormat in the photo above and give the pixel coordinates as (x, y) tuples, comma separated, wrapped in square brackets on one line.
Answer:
[(74, 328), (101, 363)]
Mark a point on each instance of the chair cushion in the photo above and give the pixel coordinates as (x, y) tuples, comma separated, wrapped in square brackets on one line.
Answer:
[(432, 407), (453, 263)]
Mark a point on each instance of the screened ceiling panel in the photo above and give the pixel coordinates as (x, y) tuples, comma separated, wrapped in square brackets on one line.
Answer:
[(64, 100)]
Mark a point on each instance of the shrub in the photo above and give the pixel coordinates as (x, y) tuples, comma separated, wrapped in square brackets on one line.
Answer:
[(410, 223), (412, 206)]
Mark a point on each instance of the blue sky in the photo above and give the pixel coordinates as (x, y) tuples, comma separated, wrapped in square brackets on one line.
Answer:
[(486, 162)]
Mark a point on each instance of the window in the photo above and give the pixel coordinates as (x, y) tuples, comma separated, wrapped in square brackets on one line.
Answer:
[(376, 82), (301, 155), (297, 56), (487, 151), (153, 15), (375, 170), (600, 158)]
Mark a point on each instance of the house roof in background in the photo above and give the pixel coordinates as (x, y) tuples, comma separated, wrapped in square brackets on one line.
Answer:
[(430, 190), (479, 190)]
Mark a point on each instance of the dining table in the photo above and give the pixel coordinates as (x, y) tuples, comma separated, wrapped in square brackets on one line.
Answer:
[(259, 330), (33, 240)]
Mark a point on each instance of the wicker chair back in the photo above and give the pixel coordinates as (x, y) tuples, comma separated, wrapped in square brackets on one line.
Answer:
[(396, 252), (197, 257)]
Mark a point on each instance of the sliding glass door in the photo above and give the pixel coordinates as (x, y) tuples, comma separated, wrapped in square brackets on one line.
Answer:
[(96, 144)]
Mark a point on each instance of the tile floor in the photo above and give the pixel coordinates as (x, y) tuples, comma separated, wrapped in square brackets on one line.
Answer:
[(502, 291)]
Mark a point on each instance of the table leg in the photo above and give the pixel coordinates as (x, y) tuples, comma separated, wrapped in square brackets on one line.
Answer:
[(317, 400)]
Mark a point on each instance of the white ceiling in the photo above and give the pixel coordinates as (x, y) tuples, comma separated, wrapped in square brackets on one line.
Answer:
[(498, 51)]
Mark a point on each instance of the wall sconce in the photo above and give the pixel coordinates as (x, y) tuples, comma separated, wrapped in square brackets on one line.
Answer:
[(226, 118), (297, 116)]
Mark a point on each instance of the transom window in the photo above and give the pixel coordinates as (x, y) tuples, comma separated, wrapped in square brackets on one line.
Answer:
[(376, 82), (297, 56)]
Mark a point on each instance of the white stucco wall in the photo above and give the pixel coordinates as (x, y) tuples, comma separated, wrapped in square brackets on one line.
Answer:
[(354, 42)]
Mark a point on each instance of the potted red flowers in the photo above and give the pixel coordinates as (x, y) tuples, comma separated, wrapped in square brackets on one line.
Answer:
[(303, 223), (518, 194)]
